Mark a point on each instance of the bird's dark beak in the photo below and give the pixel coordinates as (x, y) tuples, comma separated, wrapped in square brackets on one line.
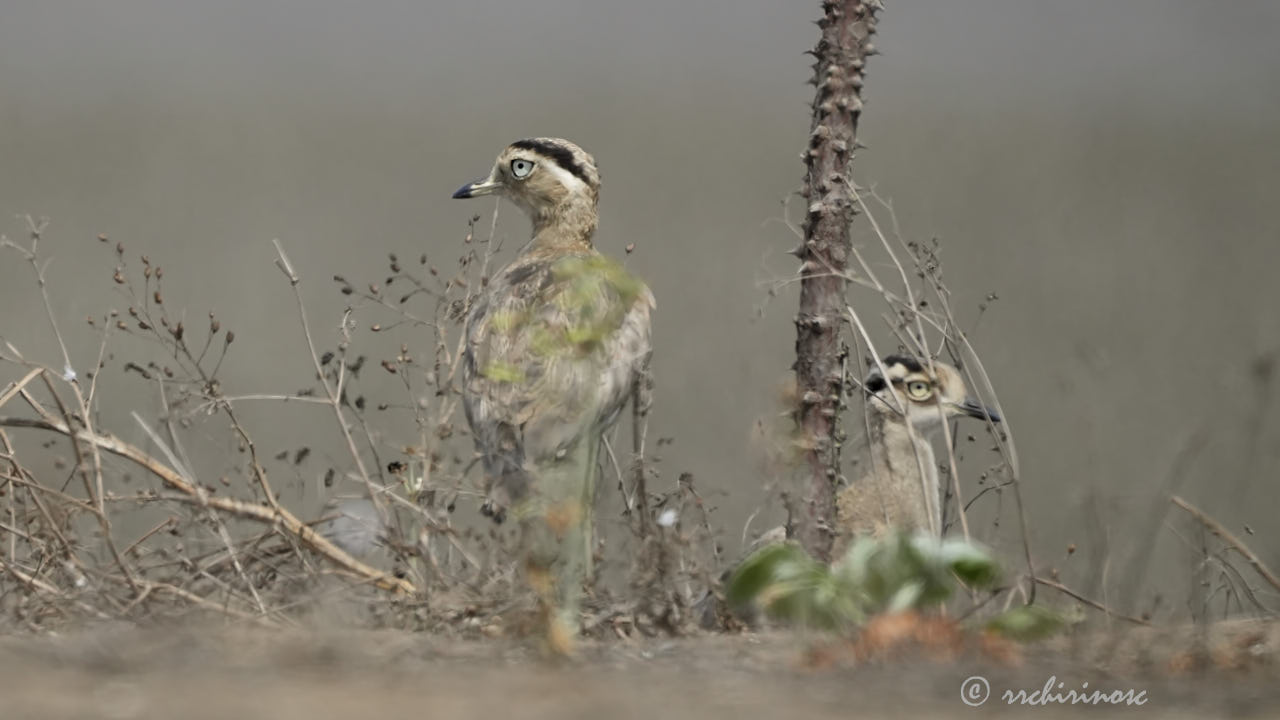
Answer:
[(976, 409), (488, 186)]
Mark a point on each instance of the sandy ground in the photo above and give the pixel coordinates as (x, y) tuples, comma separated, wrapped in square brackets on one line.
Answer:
[(126, 672)]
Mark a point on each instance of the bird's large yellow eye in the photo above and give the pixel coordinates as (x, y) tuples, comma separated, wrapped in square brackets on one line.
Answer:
[(521, 168), (919, 390)]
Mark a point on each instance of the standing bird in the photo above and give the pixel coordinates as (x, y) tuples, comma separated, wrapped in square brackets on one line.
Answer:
[(554, 346), (906, 404)]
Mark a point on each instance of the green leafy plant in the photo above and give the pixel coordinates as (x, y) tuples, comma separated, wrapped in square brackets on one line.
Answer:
[(1027, 623), (898, 573)]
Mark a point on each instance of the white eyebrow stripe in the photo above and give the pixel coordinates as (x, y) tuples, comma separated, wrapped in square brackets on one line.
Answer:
[(897, 372), (572, 182)]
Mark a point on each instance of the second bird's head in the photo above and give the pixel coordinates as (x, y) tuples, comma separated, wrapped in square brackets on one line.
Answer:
[(540, 175), (910, 386)]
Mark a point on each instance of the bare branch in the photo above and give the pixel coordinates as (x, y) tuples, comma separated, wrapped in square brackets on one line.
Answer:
[(1217, 529)]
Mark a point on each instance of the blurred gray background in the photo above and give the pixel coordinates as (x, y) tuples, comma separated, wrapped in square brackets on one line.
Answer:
[(1108, 169)]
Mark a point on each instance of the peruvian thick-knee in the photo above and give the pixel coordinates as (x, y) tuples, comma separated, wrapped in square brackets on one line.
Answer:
[(899, 488), (554, 346)]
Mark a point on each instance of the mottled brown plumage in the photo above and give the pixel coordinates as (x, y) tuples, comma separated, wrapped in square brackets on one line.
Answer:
[(554, 347)]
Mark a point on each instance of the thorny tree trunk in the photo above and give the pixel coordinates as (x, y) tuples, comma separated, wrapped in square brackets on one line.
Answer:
[(847, 27)]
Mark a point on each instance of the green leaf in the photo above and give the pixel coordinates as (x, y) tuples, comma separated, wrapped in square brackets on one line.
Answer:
[(1027, 623), (790, 585), (971, 563), (906, 597), (854, 567), (762, 568)]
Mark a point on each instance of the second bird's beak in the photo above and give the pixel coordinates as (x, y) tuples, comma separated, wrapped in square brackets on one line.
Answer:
[(487, 186), (972, 408)]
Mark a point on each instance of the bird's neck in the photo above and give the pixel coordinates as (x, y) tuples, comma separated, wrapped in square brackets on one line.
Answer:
[(905, 454), (896, 446), (569, 224)]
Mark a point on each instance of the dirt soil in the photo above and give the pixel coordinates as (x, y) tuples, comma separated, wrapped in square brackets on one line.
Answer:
[(122, 671)]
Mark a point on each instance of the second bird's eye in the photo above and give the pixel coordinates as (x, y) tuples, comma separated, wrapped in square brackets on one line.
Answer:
[(521, 168), (918, 389)]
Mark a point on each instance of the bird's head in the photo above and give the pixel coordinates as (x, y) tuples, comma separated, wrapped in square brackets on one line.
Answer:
[(908, 385), (549, 178)]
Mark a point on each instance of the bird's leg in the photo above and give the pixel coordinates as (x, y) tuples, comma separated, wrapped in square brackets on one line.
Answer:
[(547, 569), (587, 500), (558, 527)]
